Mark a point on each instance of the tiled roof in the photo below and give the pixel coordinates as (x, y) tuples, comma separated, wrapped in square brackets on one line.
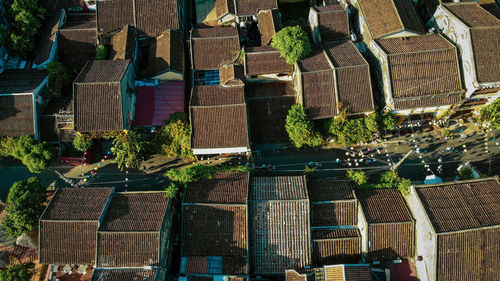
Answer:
[(336, 246), (292, 275), (213, 47), (317, 61), (427, 101), (344, 54), (276, 225), (383, 206), (217, 95), (219, 127), (135, 212), (269, 24), (233, 265), (333, 214), (123, 275), (231, 75), (391, 240), (77, 41), (265, 60), (319, 94), (81, 20), (17, 81), (77, 204), (16, 115), (68, 242), (150, 17), (102, 71), (228, 188), (223, 7), (47, 38), (346, 272), (335, 233), (330, 190), (385, 17), (462, 205), (252, 7), (333, 22), (166, 52), (215, 230), (278, 188), (123, 44), (472, 14), (121, 249), (486, 54), (422, 65)]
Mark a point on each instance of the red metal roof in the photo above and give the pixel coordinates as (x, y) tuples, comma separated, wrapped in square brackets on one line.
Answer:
[(164, 99)]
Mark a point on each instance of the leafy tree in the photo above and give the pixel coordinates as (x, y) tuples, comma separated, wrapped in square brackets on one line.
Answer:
[(59, 76), (359, 177), (25, 19), (174, 138), (345, 131), (102, 52), (131, 147), (293, 44), (403, 185), (491, 114), (82, 141), (389, 179), (172, 190), (25, 204), (301, 129), (35, 155), (387, 121), (17, 272), (465, 173)]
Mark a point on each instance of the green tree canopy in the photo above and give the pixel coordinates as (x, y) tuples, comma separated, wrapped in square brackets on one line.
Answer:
[(301, 129), (130, 147), (59, 77), (491, 114), (35, 155), (25, 19), (351, 131), (17, 272), (359, 177), (82, 141), (293, 44), (24, 206), (388, 179), (174, 138), (101, 52)]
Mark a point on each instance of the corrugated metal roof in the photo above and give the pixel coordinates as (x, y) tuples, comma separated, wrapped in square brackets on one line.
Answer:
[(155, 105)]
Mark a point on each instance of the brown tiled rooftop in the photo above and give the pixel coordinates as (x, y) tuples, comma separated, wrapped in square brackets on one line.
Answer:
[(269, 24), (333, 22), (485, 42), (336, 246), (80, 20), (123, 44), (123, 275), (214, 230), (77, 204), (166, 52), (385, 17), (213, 47), (265, 60), (344, 54), (114, 14), (231, 75), (18, 81), (292, 275), (122, 249), (317, 61), (217, 95), (223, 7), (462, 205), (135, 212), (319, 94), (47, 38), (227, 188), (252, 7), (17, 115), (335, 233), (100, 71), (422, 65), (383, 206), (472, 14), (77, 44), (330, 190), (334, 214), (278, 188), (427, 101), (219, 126)]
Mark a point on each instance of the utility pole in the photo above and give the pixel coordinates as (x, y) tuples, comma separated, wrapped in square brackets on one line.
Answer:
[(393, 168)]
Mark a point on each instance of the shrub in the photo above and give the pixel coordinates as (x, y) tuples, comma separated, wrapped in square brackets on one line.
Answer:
[(174, 138), (359, 177), (25, 205), (387, 121), (300, 128), (59, 76), (171, 190), (388, 179), (35, 155), (17, 272), (101, 52), (491, 113), (465, 173), (346, 131), (130, 147), (293, 44), (82, 142)]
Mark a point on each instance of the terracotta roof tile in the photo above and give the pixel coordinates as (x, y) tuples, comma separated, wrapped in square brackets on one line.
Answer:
[(278, 188), (213, 47), (472, 14), (391, 240), (103, 71), (67, 242), (214, 230), (118, 249), (81, 20), (334, 214), (123, 44), (333, 22), (269, 24), (336, 246), (231, 75), (485, 44), (428, 101), (112, 15), (223, 7), (385, 17), (265, 60), (76, 47), (319, 94), (166, 52), (344, 54), (219, 127), (123, 275), (135, 212), (17, 81), (77, 204), (17, 115), (252, 7), (383, 206), (275, 225), (330, 190), (335, 233), (292, 275), (422, 65), (217, 95), (462, 205), (317, 61), (229, 188)]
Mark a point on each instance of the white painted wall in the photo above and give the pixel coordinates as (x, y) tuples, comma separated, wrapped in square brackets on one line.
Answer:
[(363, 229)]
